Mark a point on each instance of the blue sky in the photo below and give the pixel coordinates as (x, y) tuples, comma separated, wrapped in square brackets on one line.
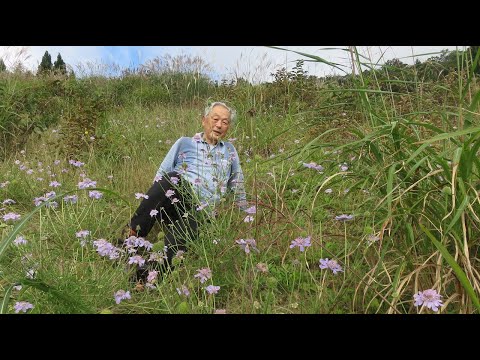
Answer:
[(254, 63)]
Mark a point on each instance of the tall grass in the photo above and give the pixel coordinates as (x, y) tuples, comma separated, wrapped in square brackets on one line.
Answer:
[(395, 202)]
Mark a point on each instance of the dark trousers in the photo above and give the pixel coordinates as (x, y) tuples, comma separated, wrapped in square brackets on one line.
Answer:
[(178, 228)]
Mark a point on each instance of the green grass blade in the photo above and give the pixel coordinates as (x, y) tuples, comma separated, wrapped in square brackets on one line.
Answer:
[(450, 135), (316, 58), (472, 108), (458, 213), (6, 299), (391, 173)]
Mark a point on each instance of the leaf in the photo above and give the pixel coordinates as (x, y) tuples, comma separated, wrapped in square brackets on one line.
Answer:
[(6, 299), (316, 58), (183, 308), (449, 135)]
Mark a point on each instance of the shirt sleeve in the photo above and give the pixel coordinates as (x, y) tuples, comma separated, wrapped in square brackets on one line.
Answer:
[(236, 181), (170, 161)]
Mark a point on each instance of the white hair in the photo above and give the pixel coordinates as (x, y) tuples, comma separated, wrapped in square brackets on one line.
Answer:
[(209, 108)]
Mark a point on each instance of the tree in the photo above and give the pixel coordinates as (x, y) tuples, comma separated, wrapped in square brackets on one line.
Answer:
[(59, 66), (45, 66), (3, 67)]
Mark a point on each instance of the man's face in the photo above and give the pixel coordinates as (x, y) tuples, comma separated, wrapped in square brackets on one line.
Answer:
[(216, 124)]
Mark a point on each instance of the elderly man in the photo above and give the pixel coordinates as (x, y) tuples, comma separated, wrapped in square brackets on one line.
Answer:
[(195, 174)]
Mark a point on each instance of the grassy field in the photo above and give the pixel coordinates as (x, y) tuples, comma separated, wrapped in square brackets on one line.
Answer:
[(366, 191)]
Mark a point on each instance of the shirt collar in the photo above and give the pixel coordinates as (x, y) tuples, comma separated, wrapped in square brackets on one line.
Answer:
[(202, 133)]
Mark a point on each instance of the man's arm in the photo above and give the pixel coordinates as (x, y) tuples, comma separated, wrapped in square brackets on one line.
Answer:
[(236, 182), (170, 161)]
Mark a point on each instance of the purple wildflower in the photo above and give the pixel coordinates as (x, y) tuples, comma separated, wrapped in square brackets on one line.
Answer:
[(343, 167), (39, 200), (251, 210), (95, 194), (169, 193), (313, 165), (179, 254), (70, 199), (430, 298), (328, 191), (152, 276), (175, 200), (153, 213), (11, 216), (344, 217), (82, 233), (146, 244), (157, 178), (158, 257), (8, 202), (76, 163), (301, 243), (20, 240), (22, 306), (104, 248), (52, 204), (86, 183), (174, 180), (183, 290), (203, 274), (248, 218), (246, 244), (50, 194), (212, 289), (121, 295), (55, 184), (330, 264), (202, 206), (140, 195), (137, 259)]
